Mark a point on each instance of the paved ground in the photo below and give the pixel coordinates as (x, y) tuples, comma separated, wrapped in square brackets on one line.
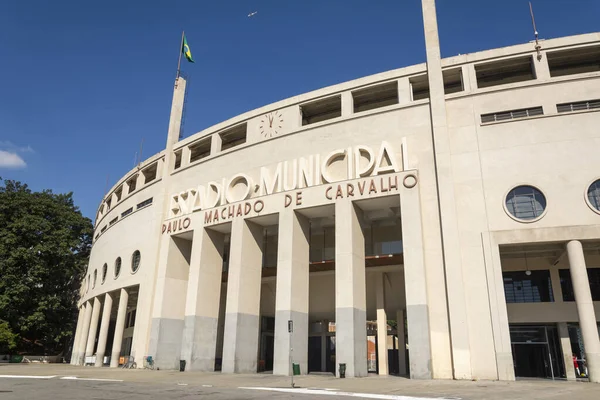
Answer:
[(108, 384)]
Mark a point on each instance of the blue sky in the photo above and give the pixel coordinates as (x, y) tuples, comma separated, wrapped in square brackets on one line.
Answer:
[(83, 82)]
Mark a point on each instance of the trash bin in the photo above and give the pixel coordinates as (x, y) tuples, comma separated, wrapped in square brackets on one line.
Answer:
[(296, 369), (342, 370), (181, 365), (15, 359)]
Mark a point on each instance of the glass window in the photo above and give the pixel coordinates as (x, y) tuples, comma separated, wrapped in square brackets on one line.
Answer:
[(117, 266), (525, 202), (104, 270), (567, 285), (135, 261), (593, 195), (528, 286)]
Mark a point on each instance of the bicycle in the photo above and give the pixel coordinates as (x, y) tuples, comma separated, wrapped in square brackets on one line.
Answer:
[(130, 364)]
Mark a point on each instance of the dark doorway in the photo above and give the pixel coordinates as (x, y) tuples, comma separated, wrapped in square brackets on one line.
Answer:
[(531, 360), (330, 354), (314, 354), (536, 351)]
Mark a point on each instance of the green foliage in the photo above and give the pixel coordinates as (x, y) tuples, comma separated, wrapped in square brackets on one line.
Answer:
[(44, 249), (8, 340)]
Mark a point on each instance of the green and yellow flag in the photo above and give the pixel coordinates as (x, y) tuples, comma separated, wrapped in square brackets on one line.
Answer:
[(186, 50)]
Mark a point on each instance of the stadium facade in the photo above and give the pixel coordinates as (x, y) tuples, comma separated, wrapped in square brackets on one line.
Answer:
[(438, 221)]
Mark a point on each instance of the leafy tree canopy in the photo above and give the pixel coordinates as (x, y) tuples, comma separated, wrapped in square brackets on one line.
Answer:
[(45, 244)]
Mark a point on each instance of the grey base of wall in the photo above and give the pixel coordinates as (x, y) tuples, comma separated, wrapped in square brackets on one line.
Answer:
[(240, 348)]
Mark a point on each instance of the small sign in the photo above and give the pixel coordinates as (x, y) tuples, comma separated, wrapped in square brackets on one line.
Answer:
[(290, 326)]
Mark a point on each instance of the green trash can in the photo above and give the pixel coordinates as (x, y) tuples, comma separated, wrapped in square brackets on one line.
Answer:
[(181, 365), (15, 359), (342, 370), (296, 369)]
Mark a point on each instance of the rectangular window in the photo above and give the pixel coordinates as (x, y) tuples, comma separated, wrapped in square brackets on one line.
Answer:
[(200, 150), (150, 173), (567, 285), (419, 86), (375, 96), (126, 212), (131, 184), (108, 203), (321, 110), (504, 72), (528, 286), (119, 193), (144, 203), (453, 82), (113, 221), (574, 61), (177, 159), (578, 106), (103, 229), (233, 137), (512, 114)]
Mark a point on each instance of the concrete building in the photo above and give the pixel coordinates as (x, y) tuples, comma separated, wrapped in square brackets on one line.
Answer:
[(439, 221)]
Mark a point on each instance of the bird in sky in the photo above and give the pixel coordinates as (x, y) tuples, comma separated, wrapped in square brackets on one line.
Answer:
[(252, 14)]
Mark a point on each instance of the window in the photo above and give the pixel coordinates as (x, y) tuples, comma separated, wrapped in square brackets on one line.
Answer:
[(108, 203), (200, 150), (95, 278), (375, 96), (578, 106), (566, 284), (574, 61), (144, 203), (233, 137), (117, 266), (131, 183), (177, 159), (321, 110), (512, 114), (135, 261), (104, 271), (593, 195), (113, 221), (525, 203), (504, 71), (119, 193), (103, 229), (150, 173), (419, 86), (528, 287), (126, 212), (453, 82)]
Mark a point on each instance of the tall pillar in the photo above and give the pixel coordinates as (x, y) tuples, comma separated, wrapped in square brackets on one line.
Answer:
[(565, 344), (350, 290), (291, 303), (585, 308), (242, 322), (91, 340), (119, 327), (382, 351), (75, 349), (199, 342), (401, 343), (85, 328), (108, 300)]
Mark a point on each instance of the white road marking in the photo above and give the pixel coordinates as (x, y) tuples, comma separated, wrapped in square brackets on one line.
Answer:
[(74, 378), (28, 376), (326, 392)]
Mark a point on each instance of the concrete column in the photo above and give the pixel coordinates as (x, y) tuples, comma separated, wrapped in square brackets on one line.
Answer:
[(185, 156), (347, 104), (85, 328), (291, 297), (401, 343), (585, 308), (108, 300), (404, 91), (91, 340), (350, 290), (542, 70), (382, 351), (119, 327), (242, 321), (556, 289), (199, 343), (75, 350), (565, 344), (215, 144), (466, 78)]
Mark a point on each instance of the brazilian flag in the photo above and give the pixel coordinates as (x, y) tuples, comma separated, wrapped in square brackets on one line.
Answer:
[(186, 50)]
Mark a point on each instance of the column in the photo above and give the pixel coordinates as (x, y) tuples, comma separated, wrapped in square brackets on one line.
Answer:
[(404, 91), (85, 328), (347, 104), (74, 351), (119, 327), (242, 322), (199, 342), (382, 351), (401, 343), (585, 308), (91, 340), (291, 297), (108, 300), (215, 144), (350, 290), (565, 344)]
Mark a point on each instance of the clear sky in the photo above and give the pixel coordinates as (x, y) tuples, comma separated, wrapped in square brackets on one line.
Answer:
[(82, 82)]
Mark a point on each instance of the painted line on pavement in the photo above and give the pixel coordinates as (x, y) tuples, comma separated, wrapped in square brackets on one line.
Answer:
[(28, 376), (74, 378), (349, 394)]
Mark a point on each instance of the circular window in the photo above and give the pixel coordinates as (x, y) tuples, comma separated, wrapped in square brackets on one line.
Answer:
[(593, 195), (525, 203), (95, 278), (117, 266), (104, 271), (135, 261)]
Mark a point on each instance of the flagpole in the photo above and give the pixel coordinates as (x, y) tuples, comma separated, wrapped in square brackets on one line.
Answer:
[(179, 61)]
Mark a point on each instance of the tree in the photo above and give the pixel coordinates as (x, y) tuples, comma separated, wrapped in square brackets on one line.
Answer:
[(45, 244)]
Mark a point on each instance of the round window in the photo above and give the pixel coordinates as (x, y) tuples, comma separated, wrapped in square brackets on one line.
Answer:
[(95, 278), (117, 266), (104, 271), (525, 203), (135, 261), (593, 195)]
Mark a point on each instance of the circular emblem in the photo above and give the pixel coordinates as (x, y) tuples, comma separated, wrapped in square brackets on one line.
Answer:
[(271, 124)]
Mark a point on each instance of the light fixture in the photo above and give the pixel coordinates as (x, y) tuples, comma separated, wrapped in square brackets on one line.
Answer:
[(528, 272)]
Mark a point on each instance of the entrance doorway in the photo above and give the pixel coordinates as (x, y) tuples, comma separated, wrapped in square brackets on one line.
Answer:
[(536, 351)]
